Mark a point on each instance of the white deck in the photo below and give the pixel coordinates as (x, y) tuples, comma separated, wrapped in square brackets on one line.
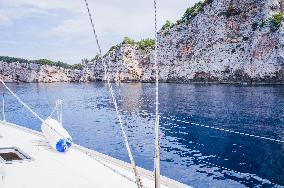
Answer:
[(78, 168)]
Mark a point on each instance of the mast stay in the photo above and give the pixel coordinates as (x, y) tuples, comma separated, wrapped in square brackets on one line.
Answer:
[(157, 120), (137, 177)]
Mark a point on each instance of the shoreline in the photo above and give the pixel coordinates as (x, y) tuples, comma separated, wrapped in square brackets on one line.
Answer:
[(243, 83)]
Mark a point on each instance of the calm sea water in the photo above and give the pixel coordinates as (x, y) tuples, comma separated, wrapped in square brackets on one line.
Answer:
[(197, 156)]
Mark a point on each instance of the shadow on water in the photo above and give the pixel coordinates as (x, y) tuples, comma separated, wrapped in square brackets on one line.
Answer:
[(191, 154)]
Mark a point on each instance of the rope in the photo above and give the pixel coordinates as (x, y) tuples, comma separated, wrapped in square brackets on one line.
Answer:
[(212, 127), (137, 177), (157, 149), (58, 110), (109, 167), (215, 128), (26, 106), (53, 110), (227, 130), (226, 170)]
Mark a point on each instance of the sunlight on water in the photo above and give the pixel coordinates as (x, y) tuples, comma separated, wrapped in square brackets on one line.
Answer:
[(195, 155)]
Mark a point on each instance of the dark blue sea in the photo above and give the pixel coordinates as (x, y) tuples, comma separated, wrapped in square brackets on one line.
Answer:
[(193, 148)]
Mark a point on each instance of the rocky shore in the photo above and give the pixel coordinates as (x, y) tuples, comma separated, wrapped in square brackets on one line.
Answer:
[(33, 72), (215, 41)]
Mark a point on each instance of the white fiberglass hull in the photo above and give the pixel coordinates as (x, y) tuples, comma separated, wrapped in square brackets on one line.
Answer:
[(79, 167)]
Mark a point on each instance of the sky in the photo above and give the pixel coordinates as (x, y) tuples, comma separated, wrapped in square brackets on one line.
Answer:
[(60, 30)]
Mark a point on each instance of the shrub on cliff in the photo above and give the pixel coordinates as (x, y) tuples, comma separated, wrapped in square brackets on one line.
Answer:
[(189, 14), (114, 47), (78, 66), (275, 21), (96, 58), (146, 43), (57, 64), (46, 62), (167, 25), (180, 21), (193, 11), (128, 40), (142, 44)]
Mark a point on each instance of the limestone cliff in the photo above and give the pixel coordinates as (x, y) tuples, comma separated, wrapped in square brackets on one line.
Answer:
[(228, 40), (125, 62), (32, 72), (220, 40)]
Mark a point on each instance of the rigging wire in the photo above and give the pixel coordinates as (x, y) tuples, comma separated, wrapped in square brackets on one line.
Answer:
[(212, 127), (20, 100), (137, 177), (152, 115), (226, 130), (26, 106), (157, 144), (59, 110)]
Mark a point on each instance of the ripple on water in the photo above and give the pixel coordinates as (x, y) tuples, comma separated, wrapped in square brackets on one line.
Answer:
[(195, 155)]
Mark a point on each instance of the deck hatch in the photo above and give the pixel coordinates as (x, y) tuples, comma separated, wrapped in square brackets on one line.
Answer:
[(12, 154)]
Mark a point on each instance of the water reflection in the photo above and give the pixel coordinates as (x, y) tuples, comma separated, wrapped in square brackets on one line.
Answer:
[(195, 155), (130, 95)]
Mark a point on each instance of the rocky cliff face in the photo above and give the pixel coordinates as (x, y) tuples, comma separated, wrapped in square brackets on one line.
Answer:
[(29, 72), (227, 40), (218, 40), (126, 62)]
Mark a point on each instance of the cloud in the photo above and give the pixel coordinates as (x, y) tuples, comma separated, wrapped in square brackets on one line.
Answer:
[(62, 27), (42, 4), (9, 15), (69, 29), (4, 19)]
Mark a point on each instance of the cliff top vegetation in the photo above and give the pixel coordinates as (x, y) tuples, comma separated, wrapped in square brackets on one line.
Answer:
[(41, 62)]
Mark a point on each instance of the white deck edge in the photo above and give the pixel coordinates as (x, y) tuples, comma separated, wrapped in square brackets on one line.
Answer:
[(105, 158)]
